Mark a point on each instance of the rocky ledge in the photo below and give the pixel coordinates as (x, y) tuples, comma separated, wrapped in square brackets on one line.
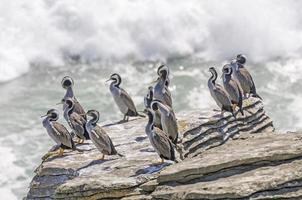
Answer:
[(223, 159)]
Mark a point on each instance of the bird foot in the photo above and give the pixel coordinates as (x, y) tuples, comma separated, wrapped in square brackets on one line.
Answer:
[(59, 152), (102, 157)]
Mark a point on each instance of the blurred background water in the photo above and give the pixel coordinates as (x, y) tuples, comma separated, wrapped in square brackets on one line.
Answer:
[(43, 41)]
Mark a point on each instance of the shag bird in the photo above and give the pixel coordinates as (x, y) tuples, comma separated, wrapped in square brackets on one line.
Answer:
[(161, 90), (57, 132), (122, 98), (76, 122), (98, 136), (218, 93), (67, 83), (232, 87), (147, 101), (164, 69), (168, 120), (158, 139), (243, 76)]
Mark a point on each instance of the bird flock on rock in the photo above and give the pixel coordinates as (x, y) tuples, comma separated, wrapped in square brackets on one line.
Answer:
[(161, 128)]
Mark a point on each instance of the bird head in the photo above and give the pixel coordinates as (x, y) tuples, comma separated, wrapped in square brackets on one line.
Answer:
[(53, 114), (67, 82)]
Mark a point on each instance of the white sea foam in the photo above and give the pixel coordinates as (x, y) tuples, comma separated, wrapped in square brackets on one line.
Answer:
[(43, 30)]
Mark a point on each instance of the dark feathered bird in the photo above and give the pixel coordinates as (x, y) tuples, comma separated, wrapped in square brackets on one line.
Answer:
[(57, 132), (76, 122), (159, 140), (122, 98), (232, 87), (243, 76), (218, 93), (67, 83), (147, 101), (98, 135), (161, 90), (168, 119)]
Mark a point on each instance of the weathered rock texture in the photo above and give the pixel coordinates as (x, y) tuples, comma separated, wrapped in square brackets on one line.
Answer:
[(223, 160)]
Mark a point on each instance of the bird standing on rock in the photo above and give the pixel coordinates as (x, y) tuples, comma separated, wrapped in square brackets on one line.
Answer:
[(122, 98), (147, 101), (218, 93), (98, 135), (76, 122), (57, 132), (232, 87), (67, 83), (161, 90), (158, 139), (168, 120), (243, 76)]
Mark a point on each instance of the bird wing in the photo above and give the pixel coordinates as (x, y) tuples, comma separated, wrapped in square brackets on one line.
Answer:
[(235, 89), (102, 140), (168, 98), (76, 118), (163, 144), (62, 134), (78, 124), (127, 100), (222, 95), (78, 108)]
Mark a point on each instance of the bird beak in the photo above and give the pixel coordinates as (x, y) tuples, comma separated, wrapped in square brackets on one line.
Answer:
[(108, 80), (43, 116)]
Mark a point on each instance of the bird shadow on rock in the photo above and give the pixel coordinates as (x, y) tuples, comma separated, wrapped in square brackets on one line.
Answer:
[(153, 168), (95, 162), (120, 122), (51, 158), (140, 138), (147, 150)]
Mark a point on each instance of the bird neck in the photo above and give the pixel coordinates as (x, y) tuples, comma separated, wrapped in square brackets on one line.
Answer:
[(238, 66), (150, 121), (67, 112), (162, 108), (213, 78), (227, 77), (115, 84), (150, 95), (46, 122), (69, 93), (93, 122)]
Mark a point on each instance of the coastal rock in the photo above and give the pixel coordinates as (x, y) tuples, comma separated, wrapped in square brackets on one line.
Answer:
[(215, 147)]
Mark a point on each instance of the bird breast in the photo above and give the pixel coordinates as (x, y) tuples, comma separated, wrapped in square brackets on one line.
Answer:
[(118, 100)]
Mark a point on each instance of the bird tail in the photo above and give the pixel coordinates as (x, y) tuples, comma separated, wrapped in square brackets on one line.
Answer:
[(253, 90), (141, 115)]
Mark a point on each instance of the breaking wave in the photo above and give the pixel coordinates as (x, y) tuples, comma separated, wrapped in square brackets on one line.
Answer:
[(45, 31)]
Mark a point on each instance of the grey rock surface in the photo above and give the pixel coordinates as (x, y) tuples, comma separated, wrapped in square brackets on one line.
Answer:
[(221, 154)]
